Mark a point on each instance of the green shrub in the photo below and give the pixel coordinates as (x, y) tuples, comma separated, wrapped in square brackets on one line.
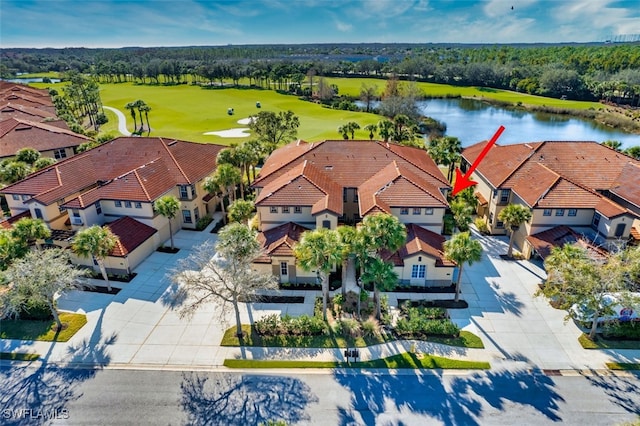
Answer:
[(350, 327), (304, 325), (421, 322), (622, 330), (370, 328), (35, 311), (482, 225), (268, 325), (203, 222)]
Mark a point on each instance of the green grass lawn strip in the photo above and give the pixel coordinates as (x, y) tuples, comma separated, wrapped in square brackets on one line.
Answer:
[(602, 343), (43, 330), (18, 356), (400, 361), (624, 366)]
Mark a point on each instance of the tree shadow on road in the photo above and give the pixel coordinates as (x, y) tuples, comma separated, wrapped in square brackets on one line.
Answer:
[(622, 391), (224, 399), (402, 399)]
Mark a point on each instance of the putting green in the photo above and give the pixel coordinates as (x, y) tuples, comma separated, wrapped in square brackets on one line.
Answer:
[(188, 112)]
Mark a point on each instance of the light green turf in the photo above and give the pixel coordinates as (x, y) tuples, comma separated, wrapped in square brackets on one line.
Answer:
[(351, 87), (186, 112)]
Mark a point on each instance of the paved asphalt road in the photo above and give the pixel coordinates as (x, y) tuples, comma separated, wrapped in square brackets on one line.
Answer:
[(135, 397)]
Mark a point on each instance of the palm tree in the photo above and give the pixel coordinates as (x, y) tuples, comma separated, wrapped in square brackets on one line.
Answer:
[(241, 211), (383, 231), (352, 126), (344, 131), (615, 145), (146, 109), (462, 249), (385, 129), (95, 242), (131, 106), (139, 105), (168, 206), (319, 250), (224, 179), (372, 129), (382, 276), (30, 231), (462, 213), (513, 216)]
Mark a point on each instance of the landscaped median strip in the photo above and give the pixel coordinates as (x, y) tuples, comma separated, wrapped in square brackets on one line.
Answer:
[(43, 330), (402, 360), (17, 356)]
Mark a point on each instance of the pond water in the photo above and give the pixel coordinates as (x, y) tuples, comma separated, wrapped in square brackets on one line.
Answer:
[(473, 121), (32, 80)]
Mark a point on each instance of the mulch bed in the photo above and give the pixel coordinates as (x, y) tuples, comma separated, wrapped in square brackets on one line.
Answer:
[(447, 304), (168, 250), (274, 299), (102, 289)]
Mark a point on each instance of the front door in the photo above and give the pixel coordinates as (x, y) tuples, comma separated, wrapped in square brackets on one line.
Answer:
[(620, 230)]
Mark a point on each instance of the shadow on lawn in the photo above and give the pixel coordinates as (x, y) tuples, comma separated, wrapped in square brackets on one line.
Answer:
[(404, 399), (225, 399)]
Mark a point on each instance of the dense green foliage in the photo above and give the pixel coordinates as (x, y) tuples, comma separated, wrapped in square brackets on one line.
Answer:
[(587, 71)]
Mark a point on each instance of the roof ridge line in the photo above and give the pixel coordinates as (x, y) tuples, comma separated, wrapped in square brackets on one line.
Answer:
[(515, 169), (385, 145), (144, 189), (166, 147)]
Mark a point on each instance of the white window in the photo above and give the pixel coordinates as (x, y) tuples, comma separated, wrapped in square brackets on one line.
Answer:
[(16, 197), (183, 191), (25, 197), (418, 271), (273, 209), (504, 195), (285, 210), (127, 204), (404, 210), (98, 207), (559, 212), (138, 205), (59, 154), (573, 212), (118, 203), (186, 216), (428, 210), (297, 209), (417, 210), (546, 212), (284, 268), (38, 213)]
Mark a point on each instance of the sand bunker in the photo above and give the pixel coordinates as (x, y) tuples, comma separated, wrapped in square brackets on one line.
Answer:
[(231, 133), (245, 121)]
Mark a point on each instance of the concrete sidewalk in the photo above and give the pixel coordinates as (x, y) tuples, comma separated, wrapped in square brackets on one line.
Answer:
[(138, 327)]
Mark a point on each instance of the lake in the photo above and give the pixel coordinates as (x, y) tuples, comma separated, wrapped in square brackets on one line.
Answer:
[(473, 121)]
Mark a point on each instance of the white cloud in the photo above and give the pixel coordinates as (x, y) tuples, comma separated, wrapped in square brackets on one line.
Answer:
[(343, 26)]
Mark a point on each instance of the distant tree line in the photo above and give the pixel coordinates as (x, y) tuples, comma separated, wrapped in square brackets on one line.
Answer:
[(583, 72)]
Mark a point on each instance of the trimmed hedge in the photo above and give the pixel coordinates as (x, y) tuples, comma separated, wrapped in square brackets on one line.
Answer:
[(304, 325)]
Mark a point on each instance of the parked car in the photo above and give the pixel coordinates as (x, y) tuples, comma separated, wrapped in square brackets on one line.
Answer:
[(621, 311)]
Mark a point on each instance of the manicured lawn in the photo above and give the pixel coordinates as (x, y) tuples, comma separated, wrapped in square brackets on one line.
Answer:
[(465, 340), (602, 343), (43, 330), (16, 356), (404, 360), (186, 112), (625, 366), (351, 87)]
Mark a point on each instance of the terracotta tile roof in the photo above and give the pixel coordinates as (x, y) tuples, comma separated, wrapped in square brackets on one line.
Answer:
[(338, 164), (26, 98), (501, 161), (7, 87), (131, 234), (11, 110), (396, 186), (141, 168), (481, 200), (349, 162), (627, 184), (279, 241), (635, 234), (8, 222), (420, 241), (17, 133), (558, 236), (303, 185)]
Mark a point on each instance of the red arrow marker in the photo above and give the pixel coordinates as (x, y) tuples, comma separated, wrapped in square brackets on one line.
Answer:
[(463, 182)]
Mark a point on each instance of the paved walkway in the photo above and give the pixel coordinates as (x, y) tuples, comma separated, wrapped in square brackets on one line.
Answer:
[(139, 327), (122, 120)]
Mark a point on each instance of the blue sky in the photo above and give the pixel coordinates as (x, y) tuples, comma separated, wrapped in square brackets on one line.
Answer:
[(118, 23)]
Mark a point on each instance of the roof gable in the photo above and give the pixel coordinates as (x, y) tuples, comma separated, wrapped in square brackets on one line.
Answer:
[(131, 235)]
